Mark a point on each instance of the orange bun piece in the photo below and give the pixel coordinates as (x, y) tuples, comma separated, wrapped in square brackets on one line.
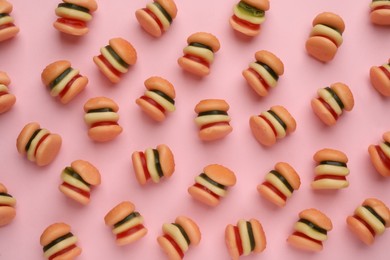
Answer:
[(8, 29), (263, 74), (331, 102), (158, 99), (63, 81), (369, 220), (7, 206), (280, 184), (153, 164), (199, 54), (380, 12), (380, 155), (212, 184), (116, 58), (74, 16), (126, 223), (325, 37), (271, 125), (380, 77), (331, 170), (248, 15), (58, 242), (178, 237), (78, 179), (102, 119), (38, 144), (311, 230), (7, 100), (245, 238), (213, 119), (157, 17)]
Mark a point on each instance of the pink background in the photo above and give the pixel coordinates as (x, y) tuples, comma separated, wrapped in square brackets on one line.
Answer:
[(287, 25)]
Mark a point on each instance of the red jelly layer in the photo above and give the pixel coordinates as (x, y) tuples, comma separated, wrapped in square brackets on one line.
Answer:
[(79, 191), (385, 160), (381, 7), (109, 66), (2, 93), (72, 22), (130, 231), (238, 240), (246, 24), (155, 18), (329, 108), (39, 143), (327, 37), (362, 221), (270, 124), (144, 166), (175, 245), (197, 59), (67, 87), (214, 124), (7, 25), (260, 78), (299, 234), (275, 190), (63, 251), (153, 103), (103, 124), (387, 73), (200, 186), (328, 176)]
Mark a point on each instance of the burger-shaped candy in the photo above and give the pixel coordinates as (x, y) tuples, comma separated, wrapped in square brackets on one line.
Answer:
[(380, 155), (380, 12), (8, 29), (380, 77), (7, 206), (7, 100)]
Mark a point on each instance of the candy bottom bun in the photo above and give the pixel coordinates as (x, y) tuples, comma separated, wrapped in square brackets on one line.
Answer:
[(360, 230), (255, 83), (104, 133), (193, 67), (48, 149), (148, 23), (215, 132), (74, 195), (231, 243), (304, 243), (244, 30), (151, 110), (320, 110), (262, 131), (77, 86), (79, 31), (380, 17), (321, 48), (132, 238), (7, 214), (105, 70), (377, 162), (8, 33), (271, 195), (6, 102), (168, 248), (203, 196), (380, 81)]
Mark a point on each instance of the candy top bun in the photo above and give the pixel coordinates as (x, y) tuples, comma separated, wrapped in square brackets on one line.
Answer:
[(169, 6), (211, 104), (259, 4), (100, 102), (386, 137), (124, 49), (328, 154), (166, 159), (5, 7), (4, 79), (330, 19), (286, 117), (25, 135), (3, 188), (206, 39), (289, 173), (345, 94), (220, 174), (119, 212), (271, 60), (190, 228), (90, 4), (379, 208), (53, 232), (316, 217), (87, 171), (162, 85), (53, 70)]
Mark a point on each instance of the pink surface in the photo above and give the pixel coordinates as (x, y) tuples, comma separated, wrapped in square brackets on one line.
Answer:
[(287, 25)]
